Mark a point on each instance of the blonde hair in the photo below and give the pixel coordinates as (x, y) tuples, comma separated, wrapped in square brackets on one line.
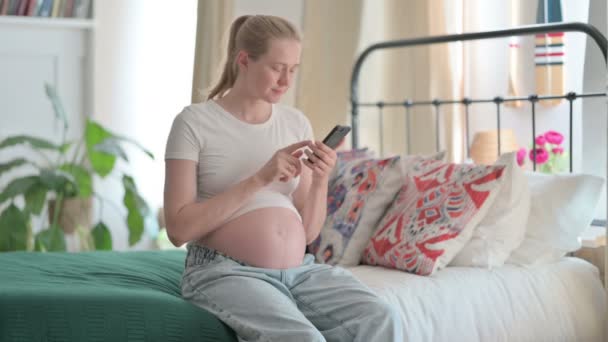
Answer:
[(251, 33)]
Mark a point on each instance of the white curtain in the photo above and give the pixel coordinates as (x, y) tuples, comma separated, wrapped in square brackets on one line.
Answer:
[(331, 45), (330, 31), (214, 19)]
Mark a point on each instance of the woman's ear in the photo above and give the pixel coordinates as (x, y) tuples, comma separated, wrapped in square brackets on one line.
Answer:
[(242, 59)]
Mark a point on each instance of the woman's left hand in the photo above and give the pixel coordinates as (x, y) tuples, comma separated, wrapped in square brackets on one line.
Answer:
[(321, 160)]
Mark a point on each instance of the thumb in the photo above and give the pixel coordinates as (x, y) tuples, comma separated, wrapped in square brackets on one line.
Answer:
[(297, 153)]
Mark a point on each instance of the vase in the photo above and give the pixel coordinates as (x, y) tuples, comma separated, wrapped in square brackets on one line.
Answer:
[(484, 149), (75, 211)]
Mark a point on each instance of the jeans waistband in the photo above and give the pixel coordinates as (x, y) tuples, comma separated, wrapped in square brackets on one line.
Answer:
[(202, 255)]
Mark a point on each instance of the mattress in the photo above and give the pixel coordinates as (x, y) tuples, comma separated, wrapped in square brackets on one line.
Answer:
[(562, 301), (100, 296)]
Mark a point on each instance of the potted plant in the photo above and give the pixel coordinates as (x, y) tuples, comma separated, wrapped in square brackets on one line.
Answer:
[(65, 181)]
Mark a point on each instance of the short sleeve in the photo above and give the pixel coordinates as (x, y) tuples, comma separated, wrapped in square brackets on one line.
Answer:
[(183, 142)]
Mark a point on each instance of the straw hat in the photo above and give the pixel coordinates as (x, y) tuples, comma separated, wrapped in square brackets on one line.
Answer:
[(484, 149)]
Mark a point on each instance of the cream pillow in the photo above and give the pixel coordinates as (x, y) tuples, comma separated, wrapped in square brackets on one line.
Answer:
[(503, 228), (562, 206)]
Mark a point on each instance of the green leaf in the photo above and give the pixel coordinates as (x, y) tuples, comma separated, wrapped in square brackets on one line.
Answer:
[(102, 162), (136, 226), (14, 229), (82, 177), (18, 187), (35, 198), (64, 148), (137, 209), (111, 146), (50, 240), (12, 164), (57, 105), (33, 141), (102, 237), (138, 145), (59, 181)]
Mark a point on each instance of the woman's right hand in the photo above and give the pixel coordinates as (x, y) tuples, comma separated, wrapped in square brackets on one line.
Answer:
[(284, 164)]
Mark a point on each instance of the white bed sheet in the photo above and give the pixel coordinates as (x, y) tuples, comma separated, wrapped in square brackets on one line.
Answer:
[(562, 301)]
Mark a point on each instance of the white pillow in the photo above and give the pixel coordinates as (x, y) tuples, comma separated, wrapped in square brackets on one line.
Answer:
[(562, 207), (503, 228)]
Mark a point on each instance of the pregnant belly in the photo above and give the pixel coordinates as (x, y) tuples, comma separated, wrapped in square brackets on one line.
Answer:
[(268, 237)]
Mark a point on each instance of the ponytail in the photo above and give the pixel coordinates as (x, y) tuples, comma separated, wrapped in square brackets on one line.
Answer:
[(228, 76)]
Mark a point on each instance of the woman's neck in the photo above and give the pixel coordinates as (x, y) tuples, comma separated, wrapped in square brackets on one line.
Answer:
[(244, 107)]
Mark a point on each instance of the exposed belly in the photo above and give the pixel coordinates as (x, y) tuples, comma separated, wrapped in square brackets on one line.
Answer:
[(268, 237)]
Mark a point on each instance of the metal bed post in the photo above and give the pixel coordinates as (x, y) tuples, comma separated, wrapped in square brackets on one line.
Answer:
[(591, 31)]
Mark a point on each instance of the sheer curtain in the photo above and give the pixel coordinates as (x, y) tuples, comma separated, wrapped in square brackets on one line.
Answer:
[(417, 73), (330, 31), (214, 18), (331, 44)]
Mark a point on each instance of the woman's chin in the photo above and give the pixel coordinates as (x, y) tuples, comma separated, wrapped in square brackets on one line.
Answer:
[(273, 97)]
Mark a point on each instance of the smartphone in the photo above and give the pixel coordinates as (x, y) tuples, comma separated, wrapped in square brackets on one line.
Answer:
[(335, 136)]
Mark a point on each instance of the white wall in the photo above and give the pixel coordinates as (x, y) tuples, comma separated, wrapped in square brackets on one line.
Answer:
[(595, 111), (31, 55), (144, 54)]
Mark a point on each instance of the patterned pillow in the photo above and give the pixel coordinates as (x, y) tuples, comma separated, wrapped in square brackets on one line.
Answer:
[(356, 201), (433, 215), (346, 156)]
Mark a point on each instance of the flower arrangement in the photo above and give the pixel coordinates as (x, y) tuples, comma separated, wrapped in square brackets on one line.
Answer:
[(548, 152)]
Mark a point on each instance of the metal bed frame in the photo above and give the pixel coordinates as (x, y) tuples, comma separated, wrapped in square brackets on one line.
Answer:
[(408, 104)]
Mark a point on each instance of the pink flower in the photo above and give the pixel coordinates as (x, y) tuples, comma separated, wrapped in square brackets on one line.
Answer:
[(521, 156), (541, 155), (554, 137), (540, 140), (557, 150)]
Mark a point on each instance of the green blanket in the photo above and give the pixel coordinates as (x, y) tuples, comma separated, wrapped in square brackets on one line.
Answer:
[(100, 296)]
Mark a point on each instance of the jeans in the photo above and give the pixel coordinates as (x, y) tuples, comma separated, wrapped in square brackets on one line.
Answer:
[(310, 302)]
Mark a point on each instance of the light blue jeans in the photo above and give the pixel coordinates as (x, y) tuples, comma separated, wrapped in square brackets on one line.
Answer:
[(310, 302)]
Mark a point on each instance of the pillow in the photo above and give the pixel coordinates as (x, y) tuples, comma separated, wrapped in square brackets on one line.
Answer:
[(433, 216), (345, 156), (356, 201), (562, 207), (503, 228)]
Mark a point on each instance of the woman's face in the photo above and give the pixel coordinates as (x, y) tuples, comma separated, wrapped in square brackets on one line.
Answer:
[(271, 75)]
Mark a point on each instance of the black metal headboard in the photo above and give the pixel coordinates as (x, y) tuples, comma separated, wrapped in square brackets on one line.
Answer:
[(590, 30)]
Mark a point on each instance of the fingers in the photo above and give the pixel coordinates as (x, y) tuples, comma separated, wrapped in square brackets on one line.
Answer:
[(293, 147), (315, 162), (323, 152)]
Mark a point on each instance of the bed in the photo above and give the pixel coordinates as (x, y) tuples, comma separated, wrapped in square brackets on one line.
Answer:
[(562, 301), (100, 296), (557, 301), (134, 296)]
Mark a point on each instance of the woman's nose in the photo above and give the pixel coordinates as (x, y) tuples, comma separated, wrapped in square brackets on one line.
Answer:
[(285, 78)]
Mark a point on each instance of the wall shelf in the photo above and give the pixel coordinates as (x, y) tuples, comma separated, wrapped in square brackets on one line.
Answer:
[(58, 23)]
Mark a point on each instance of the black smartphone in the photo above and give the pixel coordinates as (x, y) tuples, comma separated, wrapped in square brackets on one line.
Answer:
[(335, 136)]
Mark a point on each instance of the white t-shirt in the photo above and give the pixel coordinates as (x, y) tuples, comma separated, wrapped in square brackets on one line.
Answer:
[(229, 150)]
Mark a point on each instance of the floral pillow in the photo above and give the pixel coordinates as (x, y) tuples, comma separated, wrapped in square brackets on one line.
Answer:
[(357, 199), (433, 215)]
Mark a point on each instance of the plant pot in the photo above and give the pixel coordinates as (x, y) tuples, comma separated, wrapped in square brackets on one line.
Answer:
[(74, 212)]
